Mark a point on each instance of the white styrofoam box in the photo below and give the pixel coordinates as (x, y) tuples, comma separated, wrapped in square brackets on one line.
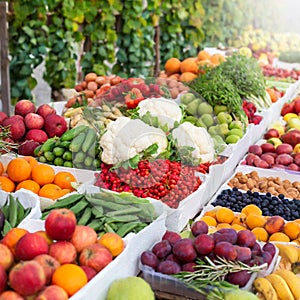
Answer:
[(59, 106), (27, 199)]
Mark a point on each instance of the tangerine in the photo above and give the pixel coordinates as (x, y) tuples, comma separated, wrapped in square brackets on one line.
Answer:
[(217, 58), (172, 66), (210, 221), (203, 55), (18, 169), (31, 160), (70, 277), (187, 76), (64, 180), (2, 169), (261, 234), (113, 242), (50, 190), (279, 237), (12, 236), (43, 174), (29, 185), (6, 184), (292, 229), (189, 65)]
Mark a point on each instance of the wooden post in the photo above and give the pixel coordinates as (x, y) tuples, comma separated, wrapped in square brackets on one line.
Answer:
[(4, 62)]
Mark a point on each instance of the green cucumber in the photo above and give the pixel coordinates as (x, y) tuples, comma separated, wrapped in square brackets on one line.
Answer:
[(42, 159), (96, 163), (49, 145), (37, 151), (76, 144), (88, 161), (73, 133), (67, 155), (79, 157), (89, 140), (58, 151), (68, 164), (49, 155), (65, 144), (58, 161)]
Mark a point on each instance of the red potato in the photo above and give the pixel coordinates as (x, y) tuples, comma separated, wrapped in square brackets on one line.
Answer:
[(267, 147), (255, 149), (284, 159), (268, 158), (284, 148), (293, 167)]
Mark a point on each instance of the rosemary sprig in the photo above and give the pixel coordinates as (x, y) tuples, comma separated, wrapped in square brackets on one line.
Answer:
[(6, 146), (211, 275)]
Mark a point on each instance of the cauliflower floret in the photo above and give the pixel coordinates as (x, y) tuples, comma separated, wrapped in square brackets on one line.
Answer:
[(125, 138), (187, 134), (167, 111)]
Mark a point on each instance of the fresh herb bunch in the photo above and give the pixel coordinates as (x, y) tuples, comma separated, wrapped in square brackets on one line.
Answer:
[(218, 89), (245, 74), (212, 274)]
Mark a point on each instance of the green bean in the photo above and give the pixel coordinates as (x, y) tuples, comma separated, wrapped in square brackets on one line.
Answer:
[(126, 228), (78, 207), (106, 204), (65, 202), (85, 217), (123, 218), (129, 210)]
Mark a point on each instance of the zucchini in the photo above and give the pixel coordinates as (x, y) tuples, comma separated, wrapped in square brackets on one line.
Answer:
[(73, 133), (76, 144), (89, 140)]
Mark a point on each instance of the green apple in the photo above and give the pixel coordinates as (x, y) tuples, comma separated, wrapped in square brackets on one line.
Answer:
[(236, 131), (294, 123), (207, 119), (235, 124), (274, 141), (222, 129), (192, 107), (224, 117), (187, 98), (232, 139), (204, 108), (220, 108), (212, 130), (186, 234)]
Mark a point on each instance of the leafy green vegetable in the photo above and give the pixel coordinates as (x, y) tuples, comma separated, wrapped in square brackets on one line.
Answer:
[(245, 74)]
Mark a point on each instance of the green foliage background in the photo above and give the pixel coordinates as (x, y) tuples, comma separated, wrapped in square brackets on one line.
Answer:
[(123, 37)]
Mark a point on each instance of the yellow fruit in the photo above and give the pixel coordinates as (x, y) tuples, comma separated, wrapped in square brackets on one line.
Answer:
[(292, 280), (265, 287), (289, 116), (281, 287), (245, 51), (288, 251)]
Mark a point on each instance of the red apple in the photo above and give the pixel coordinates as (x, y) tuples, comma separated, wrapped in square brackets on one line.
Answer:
[(63, 251), (297, 106), (49, 264), (90, 272), (36, 135), (83, 236), (31, 245), (55, 125), (52, 292), (34, 121), (16, 126), (95, 256), (6, 257), (27, 278), (297, 159), (60, 224), (287, 108), (11, 295), (24, 107), (271, 133), (3, 116), (3, 279), (255, 149), (27, 148), (45, 109)]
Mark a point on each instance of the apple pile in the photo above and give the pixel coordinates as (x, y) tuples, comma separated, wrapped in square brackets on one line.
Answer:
[(30, 264), (31, 126), (174, 254), (291, 107)]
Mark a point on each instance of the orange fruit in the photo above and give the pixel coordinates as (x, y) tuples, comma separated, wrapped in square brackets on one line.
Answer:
[(217, 58), (279, 237), (224, 215), (189, 65), (70, 277), (212, 212), (203, 55), (18, 169), (6, 184), (64, 180), (12, 236), (187, 76), (113, 242), (223, 225), (251, 209), (2, 169), (43, 174), (237, 227), (239, 219), (210, 221), (261, 234), (292, 229), (254, 220), (172, 66), (29, 185), (50, 190), (31, 160), (63, 192)]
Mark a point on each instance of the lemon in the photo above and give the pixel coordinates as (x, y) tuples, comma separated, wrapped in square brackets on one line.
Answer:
[(289, 116)]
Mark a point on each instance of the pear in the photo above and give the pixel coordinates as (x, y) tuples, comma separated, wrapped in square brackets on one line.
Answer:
[(220, 108), (224, 117), (187, 98), (192, 107), (232, 139), (222, 129), (236, 131), (204, 108), (207, 119), (235, 124)]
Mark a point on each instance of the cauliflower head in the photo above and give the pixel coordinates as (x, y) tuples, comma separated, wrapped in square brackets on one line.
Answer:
[(167, 111), (125, 138), (189, 135)]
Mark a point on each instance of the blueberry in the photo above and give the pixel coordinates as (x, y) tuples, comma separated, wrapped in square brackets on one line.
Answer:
[(281, 196), (268, 194), (249, 193), (265, 212), (235, 189), (265, 203)]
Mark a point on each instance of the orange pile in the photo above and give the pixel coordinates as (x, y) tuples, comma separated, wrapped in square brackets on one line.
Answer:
[(191, 67), (25, 172), (265, 228)]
